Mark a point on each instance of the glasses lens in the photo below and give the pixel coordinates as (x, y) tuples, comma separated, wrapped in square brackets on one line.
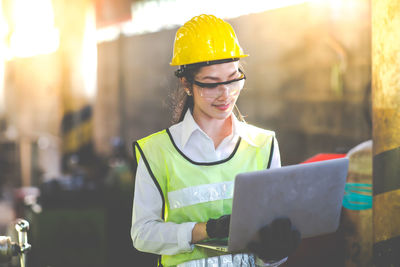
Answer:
[(214, 90), (232, 88)]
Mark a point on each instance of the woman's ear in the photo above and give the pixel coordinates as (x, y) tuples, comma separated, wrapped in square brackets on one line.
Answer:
[(185, 82), (186, 85)]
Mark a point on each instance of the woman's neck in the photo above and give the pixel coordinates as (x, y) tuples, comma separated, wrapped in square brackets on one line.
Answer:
[(216, 129)]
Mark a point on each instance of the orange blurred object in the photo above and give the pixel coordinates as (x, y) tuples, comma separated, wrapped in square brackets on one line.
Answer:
[(324, 156)]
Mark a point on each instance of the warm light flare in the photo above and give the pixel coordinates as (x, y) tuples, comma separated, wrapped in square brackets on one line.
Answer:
[(32, 29), (89, 54), (3, 51), (155, 15)]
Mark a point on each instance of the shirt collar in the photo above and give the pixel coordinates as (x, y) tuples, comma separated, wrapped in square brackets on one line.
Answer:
[(240, 128), (189, 126)]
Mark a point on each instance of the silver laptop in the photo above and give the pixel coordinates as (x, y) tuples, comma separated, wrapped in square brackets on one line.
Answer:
[(310, 194)]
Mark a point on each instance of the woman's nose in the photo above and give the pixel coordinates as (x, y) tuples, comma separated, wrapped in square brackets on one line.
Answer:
[(223, 90)]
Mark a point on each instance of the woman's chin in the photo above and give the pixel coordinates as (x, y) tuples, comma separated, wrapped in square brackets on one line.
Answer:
[(222, 114)]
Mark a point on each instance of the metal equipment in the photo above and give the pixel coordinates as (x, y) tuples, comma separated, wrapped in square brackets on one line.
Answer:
[(8, 249)]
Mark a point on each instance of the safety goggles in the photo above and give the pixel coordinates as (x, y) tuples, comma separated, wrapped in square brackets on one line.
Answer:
[(215, 90)]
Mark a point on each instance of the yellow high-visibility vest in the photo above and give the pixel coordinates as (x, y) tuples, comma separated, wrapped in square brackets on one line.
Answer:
[(197, 191)]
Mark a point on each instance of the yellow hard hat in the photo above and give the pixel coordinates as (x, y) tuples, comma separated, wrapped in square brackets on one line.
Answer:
[(205, 38)]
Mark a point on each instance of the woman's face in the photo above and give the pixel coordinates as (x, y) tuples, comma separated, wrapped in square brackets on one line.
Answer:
[(218, 102)]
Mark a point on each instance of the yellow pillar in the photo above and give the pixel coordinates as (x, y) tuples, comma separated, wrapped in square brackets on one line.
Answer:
[(386, 131)]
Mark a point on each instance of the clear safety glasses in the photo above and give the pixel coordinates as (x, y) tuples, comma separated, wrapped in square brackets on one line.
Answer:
[(215, 90)]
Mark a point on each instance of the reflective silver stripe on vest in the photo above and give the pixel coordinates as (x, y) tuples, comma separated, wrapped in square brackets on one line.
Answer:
[(200, 194), (237, 260)]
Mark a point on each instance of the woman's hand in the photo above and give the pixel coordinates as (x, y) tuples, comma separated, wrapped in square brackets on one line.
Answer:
[(276, 240), (218, 228), (213, 228)]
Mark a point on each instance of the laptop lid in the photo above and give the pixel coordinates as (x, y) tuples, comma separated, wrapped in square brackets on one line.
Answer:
[(309, 194)]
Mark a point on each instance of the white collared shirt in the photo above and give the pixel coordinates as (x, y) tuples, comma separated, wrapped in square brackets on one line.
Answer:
[(149, 232)]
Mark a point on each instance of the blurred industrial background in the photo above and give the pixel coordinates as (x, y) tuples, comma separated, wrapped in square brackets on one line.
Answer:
[(81, 80)]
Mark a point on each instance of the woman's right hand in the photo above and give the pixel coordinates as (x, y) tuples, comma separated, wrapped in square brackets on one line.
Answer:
[(213, 228), (218, 228)]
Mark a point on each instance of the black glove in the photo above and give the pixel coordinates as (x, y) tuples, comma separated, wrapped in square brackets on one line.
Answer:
[(218, 228), (277, 240)]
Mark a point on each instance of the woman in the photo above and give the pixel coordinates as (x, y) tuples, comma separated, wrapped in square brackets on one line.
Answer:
[(183, 191)]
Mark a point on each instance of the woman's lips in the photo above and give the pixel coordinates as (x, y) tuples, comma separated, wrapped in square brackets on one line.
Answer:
[(222, 107)]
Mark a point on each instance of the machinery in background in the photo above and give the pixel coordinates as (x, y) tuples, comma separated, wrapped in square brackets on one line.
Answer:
[(9, 249), (89, 215)]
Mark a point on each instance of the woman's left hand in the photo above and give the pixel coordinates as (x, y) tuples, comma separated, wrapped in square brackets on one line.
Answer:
[(277, 240)]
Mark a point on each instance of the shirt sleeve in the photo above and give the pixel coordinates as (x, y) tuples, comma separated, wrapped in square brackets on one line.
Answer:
[(149, 232), (276, 156)]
